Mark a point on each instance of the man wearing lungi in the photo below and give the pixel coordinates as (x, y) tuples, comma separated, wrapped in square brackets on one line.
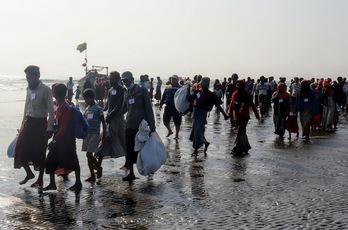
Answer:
[(35, 129)]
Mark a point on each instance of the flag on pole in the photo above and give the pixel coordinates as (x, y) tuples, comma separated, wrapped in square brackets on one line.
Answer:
[(82, 47)]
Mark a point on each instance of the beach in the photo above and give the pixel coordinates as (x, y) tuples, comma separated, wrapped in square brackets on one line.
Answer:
[(281, 184)]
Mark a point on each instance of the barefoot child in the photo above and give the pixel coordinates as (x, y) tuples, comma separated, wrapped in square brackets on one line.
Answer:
[(62, 150), (94, 116)]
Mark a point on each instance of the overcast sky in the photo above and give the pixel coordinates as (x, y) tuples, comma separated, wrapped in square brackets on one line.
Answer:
[(214, 38)]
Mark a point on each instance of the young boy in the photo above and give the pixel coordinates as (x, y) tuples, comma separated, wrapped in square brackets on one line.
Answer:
[(62, 150), (94, 116)]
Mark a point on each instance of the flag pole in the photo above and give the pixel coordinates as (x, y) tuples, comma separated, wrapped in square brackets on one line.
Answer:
[(86, 61)]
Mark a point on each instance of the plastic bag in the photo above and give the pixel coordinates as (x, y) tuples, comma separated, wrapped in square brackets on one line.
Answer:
[(180, 100), (11, 148), (142, 136), (152, 156)]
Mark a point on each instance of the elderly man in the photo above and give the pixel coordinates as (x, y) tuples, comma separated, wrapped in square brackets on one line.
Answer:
[(139, 107), (35, 130)]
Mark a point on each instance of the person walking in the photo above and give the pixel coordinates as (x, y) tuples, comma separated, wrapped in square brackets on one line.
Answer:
[(151, 89), (158, 94), (203, 101), (239, 108), (263, 90), (94, 116), (307, 106), (115, 118), (62, 150), (170, 111), (77, 95), (139, 107), (281, 109), (328, 106), (70, 86), (35, 128)]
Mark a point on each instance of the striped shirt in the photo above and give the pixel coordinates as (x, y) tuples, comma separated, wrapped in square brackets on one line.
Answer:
[(93, 116)]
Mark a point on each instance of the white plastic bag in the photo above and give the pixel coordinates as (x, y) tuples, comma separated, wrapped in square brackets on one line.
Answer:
[(11, 148), (152, 156), (180, 100), (142, 136)]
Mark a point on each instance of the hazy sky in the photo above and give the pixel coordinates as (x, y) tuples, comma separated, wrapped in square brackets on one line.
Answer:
[(215, 38)]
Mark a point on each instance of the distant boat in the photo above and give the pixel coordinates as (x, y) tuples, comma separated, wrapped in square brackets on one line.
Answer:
[(92, 74)]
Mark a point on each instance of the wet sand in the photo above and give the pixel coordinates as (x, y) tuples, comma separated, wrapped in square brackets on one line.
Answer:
[(281, 184)]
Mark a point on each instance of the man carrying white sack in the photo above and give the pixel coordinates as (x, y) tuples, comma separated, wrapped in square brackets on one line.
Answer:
[(139, 107), (170, 111)]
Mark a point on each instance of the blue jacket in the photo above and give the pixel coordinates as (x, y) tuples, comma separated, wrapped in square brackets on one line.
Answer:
[(168, 96)]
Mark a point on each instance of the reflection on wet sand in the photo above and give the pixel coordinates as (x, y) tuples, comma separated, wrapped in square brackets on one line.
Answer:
[(280, 184)]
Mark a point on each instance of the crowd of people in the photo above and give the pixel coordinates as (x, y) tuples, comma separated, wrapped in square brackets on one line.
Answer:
[(314, 103)]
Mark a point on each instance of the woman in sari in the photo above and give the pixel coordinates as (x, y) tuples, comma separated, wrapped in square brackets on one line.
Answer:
[(328, 106), (281, 109), (316, 118), (239, 108)]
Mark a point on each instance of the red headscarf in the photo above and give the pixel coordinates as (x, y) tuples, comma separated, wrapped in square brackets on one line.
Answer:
[(281, 92), (327, 87)]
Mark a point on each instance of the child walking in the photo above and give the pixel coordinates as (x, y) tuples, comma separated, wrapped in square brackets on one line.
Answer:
[(94, 116), (62, 150)]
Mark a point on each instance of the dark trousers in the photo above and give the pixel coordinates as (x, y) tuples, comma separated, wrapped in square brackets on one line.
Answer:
[(131, 155)]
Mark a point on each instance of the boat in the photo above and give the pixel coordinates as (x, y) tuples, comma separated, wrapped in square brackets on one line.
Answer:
[(93, 74)]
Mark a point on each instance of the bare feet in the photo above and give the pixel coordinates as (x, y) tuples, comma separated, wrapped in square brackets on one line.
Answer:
[(90, 179), (76, 187), (206, 145), (37, 184), (195, 153), (28, 177), (50, 187), (169, 133), (129, 178)]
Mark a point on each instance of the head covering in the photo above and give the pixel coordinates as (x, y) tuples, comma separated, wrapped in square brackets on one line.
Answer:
[(240, 94), (242, 82), (314, 85), (205, 81), (305, 88), (326, 82), (281, 92), (127, 75), (195, 86), (281, 87), (328, 89), (320, 82), (33, 70)]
